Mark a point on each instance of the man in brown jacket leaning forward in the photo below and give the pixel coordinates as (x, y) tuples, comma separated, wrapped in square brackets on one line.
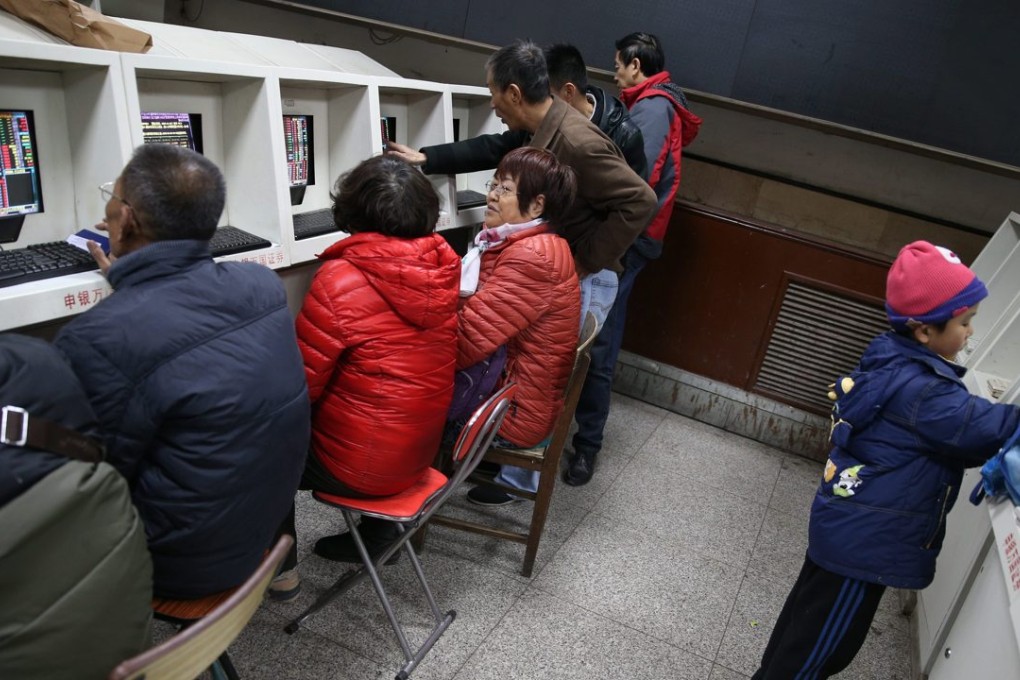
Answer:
[(613, 204)]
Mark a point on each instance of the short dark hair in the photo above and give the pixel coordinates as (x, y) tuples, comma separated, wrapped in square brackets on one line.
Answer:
[(538, 171), (174, 192), (385, 195), (566, 65), (644, 47), (520, 63)]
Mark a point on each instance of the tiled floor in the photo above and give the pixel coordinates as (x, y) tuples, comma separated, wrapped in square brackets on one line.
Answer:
[(672, 563)]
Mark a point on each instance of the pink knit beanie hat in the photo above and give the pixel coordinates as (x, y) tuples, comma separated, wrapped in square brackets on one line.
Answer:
[(929, 284)]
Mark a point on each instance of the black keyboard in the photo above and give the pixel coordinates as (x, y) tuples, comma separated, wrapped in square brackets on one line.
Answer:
[(230, 240), (314, 223), (470, 199), (43, 261)]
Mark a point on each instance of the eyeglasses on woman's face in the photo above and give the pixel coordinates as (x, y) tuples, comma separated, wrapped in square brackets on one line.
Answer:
[(494, 187)]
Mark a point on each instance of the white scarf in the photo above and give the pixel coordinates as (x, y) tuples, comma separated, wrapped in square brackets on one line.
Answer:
[(471, 263)]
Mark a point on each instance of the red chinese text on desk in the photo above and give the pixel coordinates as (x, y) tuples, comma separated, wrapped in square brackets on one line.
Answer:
[(1011, 555), (83, 299)]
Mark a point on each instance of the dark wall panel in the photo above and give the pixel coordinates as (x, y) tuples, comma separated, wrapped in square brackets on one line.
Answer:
[(846, 62), (446, 17), (705, 305), (977, 98), (700, 59), (938, 72)]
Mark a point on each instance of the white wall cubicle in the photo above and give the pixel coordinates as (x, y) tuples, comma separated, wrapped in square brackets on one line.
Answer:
[(88, 106), (80, 113), (472, 116), (969, 617), (239, 107)]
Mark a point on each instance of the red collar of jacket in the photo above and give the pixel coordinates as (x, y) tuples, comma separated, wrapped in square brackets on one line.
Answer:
[(631, 94)]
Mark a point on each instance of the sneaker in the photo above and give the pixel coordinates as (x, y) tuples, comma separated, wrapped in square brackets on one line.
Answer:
[(286, 586), (486, 495), (377, 535)]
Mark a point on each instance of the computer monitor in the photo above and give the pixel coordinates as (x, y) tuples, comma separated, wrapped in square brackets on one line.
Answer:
[(388, 130), (299, 145), (182, 129), (20, 186)]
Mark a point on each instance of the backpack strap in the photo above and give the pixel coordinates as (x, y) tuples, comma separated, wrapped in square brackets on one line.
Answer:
[(17, 429)]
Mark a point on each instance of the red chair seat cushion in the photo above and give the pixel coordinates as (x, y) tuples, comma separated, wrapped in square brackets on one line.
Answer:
[(189, 610), (400, 507)]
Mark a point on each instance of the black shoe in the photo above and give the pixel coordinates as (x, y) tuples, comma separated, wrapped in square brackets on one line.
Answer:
[(377, 535), (486, 495), (580, 468), (487, 468)]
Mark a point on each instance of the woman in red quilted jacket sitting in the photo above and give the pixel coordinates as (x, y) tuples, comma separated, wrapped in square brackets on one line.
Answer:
[(377, 331), (527, 297)]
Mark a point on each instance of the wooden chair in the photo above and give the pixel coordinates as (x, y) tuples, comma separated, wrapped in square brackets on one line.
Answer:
[(409, 510), (204, 643), (544, 459)]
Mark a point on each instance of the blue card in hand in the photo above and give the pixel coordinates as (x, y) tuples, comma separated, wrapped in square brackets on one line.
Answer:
[(81, 238)]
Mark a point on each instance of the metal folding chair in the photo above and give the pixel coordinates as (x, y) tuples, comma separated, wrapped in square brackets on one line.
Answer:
[(409, 510), (211, 625)]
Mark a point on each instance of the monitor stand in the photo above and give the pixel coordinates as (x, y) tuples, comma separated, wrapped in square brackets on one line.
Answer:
[(10, 228)]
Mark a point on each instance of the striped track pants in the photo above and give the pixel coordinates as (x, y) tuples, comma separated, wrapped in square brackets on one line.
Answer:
[(821, 627)]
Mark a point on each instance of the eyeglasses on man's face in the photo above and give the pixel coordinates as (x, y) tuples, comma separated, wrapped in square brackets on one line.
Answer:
[(494, 187), (106, 191)]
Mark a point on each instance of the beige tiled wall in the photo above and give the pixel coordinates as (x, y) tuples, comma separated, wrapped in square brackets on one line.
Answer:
[(819, 214)]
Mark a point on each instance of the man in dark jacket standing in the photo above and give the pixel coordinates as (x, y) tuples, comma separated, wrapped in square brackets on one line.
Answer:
[(568, 80), (193, 369), (658, 107)]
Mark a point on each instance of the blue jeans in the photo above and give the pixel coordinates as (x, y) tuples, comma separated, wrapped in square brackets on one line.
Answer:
[(598, 291), (593, 405), (518, 477), (511, 475)]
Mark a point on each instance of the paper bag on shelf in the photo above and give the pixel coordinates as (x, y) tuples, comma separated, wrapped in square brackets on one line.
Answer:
[(79, 25)]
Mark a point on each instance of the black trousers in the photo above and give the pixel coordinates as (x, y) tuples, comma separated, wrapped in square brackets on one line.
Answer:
[(821, 627), (317, 478)]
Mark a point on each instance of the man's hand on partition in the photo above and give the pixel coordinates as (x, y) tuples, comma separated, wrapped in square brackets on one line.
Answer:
[(405, 153)]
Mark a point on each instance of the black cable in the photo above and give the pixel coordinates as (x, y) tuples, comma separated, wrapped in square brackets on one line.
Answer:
[(378, 39)]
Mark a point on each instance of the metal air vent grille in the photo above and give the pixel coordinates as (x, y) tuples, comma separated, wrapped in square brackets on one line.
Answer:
[(817, 335)]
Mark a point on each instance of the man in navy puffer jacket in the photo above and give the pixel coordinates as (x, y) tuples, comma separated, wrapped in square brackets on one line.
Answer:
[(904, 429), (193, 369)]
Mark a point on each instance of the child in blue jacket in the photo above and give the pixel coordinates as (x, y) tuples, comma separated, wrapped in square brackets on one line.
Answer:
[(904, 429)]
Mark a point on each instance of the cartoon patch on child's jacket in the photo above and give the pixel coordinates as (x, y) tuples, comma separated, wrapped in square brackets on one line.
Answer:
[(849, 480), (849, 477)]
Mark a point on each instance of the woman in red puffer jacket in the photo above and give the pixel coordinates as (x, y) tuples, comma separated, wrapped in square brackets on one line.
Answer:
[(527, 297), (378, 333)]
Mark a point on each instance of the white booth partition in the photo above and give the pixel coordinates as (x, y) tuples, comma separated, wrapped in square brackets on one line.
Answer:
[(418, 113), (74, 101), (337, 118), (232, 114), (472, 116)]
